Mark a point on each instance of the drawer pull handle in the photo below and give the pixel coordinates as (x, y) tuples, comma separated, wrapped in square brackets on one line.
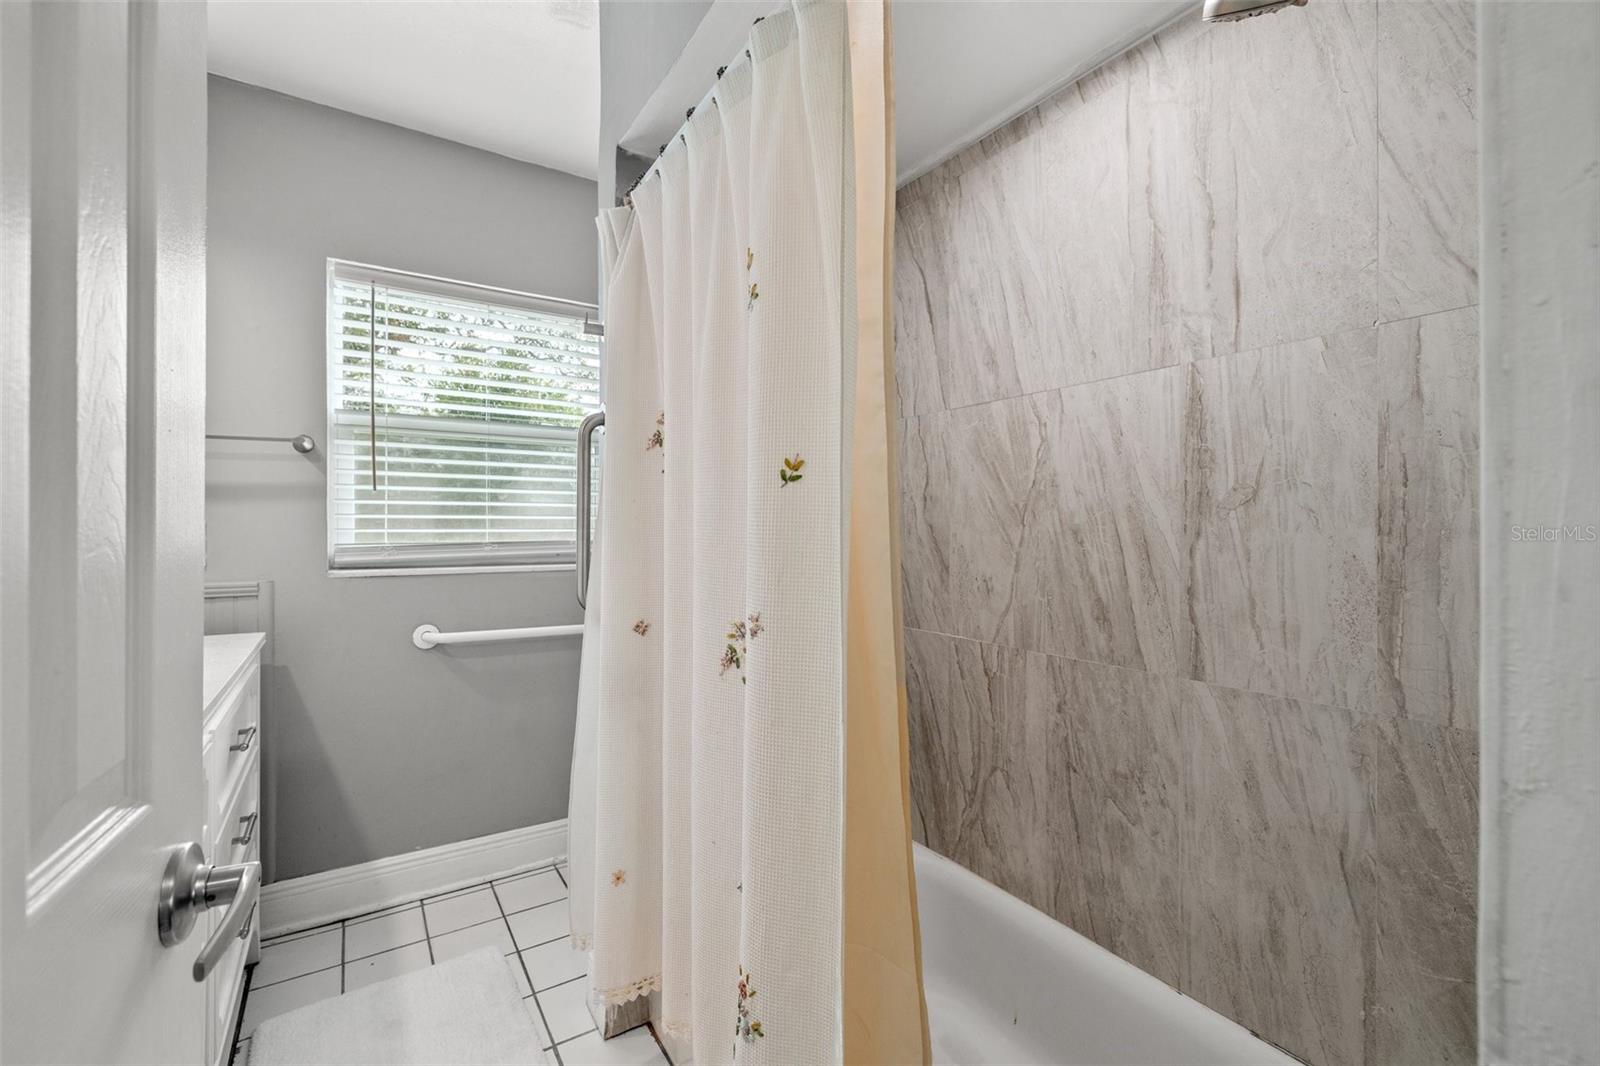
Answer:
[(249, 824), (246, 735), (244, 930)]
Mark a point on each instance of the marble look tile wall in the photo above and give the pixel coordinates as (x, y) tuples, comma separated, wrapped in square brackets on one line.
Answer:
[(1186, 361), (1292, 153), (1427, 157), (1428, 518), (1279, 833), (1280, 498)]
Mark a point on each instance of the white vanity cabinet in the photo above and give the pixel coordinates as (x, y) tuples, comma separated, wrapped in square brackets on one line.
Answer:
[(231, 743)]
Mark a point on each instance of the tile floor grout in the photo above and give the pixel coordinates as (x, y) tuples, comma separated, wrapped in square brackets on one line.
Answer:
[(429, 941), (558, 984), (533, 993), (426, 936), (420, 905), (659, 1045)]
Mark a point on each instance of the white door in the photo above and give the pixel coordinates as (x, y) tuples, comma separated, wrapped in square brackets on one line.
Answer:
[(102, 394)]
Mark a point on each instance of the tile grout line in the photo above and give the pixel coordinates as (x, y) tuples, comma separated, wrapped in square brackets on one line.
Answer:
[(299, 934), (525, 910), (580, 1036), (526, 976), (1378, 322), (296, 977), (464, 928), (558, 984), (244, 1001), (396, 947), (659, 1045), (1357, 712), (461, 929), (426, 936)]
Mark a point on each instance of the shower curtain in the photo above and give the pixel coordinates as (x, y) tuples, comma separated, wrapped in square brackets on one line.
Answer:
[(740, 809)]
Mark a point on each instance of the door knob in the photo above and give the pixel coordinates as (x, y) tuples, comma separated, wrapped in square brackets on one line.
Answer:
[(189, 886)]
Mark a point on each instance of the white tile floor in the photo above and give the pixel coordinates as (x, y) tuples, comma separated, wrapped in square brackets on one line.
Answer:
[(523, 915)]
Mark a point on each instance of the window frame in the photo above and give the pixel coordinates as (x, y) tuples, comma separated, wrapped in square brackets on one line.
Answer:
[(425, 560)]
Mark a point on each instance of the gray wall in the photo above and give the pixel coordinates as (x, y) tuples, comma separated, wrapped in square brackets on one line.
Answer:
[(638, 45), (372, 747), (1188, 356), (1540, 943)]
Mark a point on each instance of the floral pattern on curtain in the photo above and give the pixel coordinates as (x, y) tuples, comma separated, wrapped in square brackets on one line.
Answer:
[(715, 788)]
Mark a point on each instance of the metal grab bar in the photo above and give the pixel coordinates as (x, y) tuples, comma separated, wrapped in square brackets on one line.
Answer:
[(586, 430), (428, 636)]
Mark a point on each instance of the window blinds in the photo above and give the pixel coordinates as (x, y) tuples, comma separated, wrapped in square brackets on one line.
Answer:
[(453, 412)]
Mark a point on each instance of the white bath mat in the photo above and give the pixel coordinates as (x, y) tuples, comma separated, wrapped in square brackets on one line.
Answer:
[(467, 1010)]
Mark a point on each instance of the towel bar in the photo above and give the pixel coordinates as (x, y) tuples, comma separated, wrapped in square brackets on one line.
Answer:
[(303, 443)]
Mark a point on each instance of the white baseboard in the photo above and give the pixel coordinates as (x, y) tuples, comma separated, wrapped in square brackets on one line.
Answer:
[(302, 902)]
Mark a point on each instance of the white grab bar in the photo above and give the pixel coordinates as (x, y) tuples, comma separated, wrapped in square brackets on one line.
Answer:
[(586, 430), (428, 636)]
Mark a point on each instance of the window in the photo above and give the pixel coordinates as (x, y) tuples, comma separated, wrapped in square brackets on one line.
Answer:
[(453, 413)]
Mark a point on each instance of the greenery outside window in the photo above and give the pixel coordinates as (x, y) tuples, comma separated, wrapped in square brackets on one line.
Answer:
[(453, 413)]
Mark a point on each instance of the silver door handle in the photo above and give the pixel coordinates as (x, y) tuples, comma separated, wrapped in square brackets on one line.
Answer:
[(190, 886), (586, 430), (246, 735)]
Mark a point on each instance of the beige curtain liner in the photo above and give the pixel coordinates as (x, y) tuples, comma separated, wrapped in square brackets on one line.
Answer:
[(885, 1014)]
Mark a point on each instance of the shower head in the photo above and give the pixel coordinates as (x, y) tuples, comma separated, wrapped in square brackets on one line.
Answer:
[(1234, 10)]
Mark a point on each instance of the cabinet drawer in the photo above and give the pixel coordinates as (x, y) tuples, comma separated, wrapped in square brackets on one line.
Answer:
[(233, 735), (238, 828), (236, 838), (230, 745)]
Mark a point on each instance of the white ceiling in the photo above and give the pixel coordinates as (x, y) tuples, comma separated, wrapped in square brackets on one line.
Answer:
[(962, 67), (522, 78), (517, 77), (965, 67)]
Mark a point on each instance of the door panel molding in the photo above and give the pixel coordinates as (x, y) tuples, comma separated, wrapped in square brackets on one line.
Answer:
[(102, 396)]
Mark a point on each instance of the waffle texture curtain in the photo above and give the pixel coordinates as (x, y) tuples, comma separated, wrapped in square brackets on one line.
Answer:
[(740, 811)]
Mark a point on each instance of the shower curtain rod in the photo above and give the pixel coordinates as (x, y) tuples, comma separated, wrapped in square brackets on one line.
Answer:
[(627, 197)]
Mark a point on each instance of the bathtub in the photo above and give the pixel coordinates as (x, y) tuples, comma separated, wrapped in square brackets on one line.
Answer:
[(1009, 984)]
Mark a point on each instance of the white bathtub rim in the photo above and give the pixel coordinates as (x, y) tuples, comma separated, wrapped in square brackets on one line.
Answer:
[(1192, 1033)]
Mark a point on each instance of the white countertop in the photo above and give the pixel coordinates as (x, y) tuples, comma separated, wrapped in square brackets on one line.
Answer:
[(226, 655)]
